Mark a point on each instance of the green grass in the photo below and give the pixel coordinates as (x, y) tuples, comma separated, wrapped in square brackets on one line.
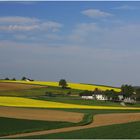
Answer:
[(98, 111), (78, 100), (38, 91), (59, 90), (117, 131), (13, 126), (26, 92)]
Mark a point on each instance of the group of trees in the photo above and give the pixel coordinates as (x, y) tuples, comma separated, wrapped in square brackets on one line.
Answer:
[(10, 79), (23, 78), (127, 90)]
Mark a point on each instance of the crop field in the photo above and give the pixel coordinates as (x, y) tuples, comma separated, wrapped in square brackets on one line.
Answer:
[(116, 131), (41, 114), (27, 112), (71, 85), (16, 86), (99, 120), (24, 102), (79, 101), (13, 125)]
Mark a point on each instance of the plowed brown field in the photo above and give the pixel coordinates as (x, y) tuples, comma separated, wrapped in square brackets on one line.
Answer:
[(16, 86), (99, 120), (40, 114)]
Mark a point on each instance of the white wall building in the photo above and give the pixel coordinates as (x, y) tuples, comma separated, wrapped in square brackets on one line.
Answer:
[(100, 97), (87, 97)]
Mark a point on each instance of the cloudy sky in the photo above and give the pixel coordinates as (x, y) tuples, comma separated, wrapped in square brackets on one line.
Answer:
[(87, 42)]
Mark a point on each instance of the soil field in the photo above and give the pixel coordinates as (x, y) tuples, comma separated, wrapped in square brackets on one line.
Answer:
[(99, 120), (16, 86), (40, 114)]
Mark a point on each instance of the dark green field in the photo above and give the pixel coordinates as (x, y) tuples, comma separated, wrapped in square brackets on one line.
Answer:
[(13, 126), (78, 100), (39, 92), (117, 131)]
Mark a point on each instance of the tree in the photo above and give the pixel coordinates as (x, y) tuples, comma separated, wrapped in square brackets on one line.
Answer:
[(23, 78), (14, 79), (7, 78), (127, 90), (63, 83), (137, 95)]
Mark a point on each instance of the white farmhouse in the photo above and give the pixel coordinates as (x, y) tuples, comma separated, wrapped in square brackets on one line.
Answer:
[(87, 97), (100, 96)]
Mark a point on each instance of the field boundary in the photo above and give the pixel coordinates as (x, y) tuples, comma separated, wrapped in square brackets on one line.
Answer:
[(99, 120)]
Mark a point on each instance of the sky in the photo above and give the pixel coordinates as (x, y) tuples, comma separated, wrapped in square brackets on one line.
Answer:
[(86, 42)]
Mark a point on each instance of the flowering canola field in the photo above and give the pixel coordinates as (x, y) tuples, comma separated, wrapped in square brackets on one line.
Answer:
[(25, 102), (71, 85)]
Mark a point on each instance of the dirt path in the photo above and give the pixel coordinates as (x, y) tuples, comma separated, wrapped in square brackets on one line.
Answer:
[(99, 120), (40, 114)]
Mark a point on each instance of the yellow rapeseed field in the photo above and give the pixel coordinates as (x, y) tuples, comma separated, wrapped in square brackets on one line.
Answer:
[(25, 102), (71, 85)]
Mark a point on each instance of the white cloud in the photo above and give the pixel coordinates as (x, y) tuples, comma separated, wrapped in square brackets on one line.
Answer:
[(18, 19), (126, 7), (95, 13), (51, 25), (19, 27), (27, 24)]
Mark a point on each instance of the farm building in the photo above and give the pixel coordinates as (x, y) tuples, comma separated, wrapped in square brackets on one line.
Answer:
[(100, 96), (87, 97)]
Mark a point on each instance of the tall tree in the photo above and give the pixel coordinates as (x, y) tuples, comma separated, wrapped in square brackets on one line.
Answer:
[(63, 83), (127, 90)]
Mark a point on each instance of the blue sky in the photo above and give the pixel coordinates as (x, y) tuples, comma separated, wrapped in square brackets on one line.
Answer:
[(89, 42)]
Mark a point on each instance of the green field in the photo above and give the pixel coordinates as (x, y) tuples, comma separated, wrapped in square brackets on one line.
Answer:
[(13, 126), (78, 100), (117, 131), (39, 92)]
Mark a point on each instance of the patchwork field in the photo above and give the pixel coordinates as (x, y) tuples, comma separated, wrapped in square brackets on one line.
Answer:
[(71, 85), (99, 120), (26, 112)]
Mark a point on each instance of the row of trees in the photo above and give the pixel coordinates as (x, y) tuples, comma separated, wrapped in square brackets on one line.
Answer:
[(23, 78)]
